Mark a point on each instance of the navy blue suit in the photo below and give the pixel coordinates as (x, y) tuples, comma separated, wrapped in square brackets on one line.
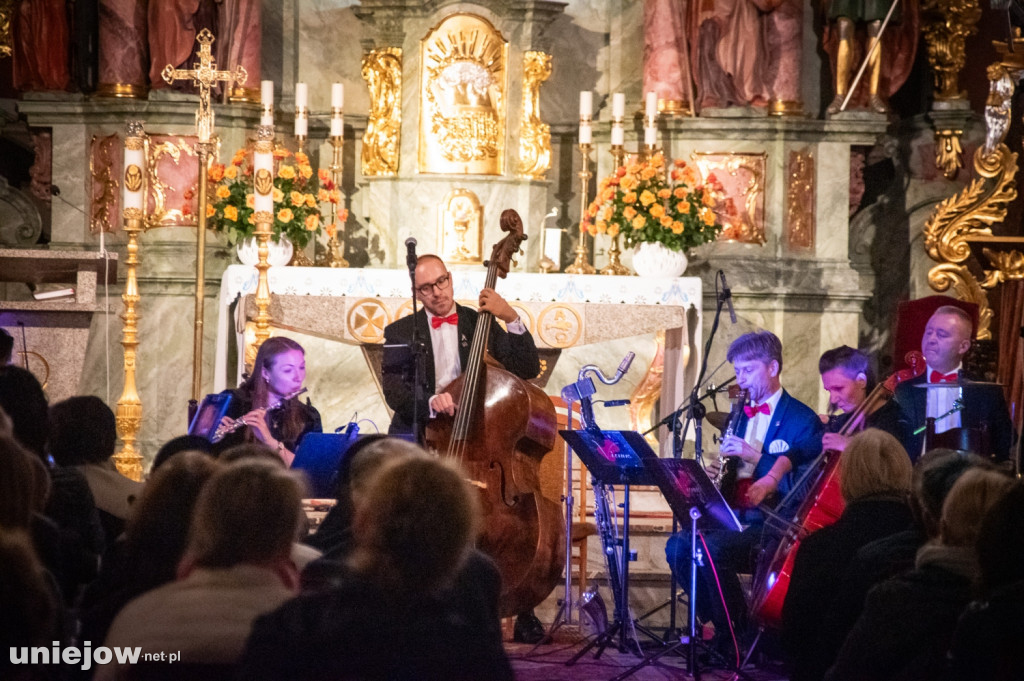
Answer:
[(794, 427)]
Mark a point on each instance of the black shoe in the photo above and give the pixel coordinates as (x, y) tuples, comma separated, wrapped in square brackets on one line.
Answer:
[(528, 629)]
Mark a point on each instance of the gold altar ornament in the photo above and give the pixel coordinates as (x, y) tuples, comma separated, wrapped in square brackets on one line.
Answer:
[(103, 194), (6, 35), (742, 177), (559, 325), (367, 319), (534, 134), (461, 227), (158, 149), (382, 71), (800, 222), (463, 97)]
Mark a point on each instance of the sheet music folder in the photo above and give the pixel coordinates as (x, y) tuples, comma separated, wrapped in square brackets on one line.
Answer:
[(623, 457)]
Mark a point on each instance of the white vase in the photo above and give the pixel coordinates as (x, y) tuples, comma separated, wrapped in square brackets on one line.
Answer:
[(652, 259), (280, 253)]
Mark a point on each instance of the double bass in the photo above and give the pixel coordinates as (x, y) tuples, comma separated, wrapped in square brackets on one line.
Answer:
[(502, 428), (823, 504)]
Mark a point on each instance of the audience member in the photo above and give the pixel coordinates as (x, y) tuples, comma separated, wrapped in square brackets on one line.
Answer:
[(182, 443), (29, 611), (987, 642), (83, 435), (905, 629), (6, 347), (148, 554), (236, 567), (874, 480), (392, 619)]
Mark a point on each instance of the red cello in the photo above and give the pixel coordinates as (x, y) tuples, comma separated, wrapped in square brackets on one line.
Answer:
[(823, 504), (501, 430)]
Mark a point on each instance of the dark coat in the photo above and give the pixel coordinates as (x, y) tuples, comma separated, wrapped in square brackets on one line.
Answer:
[(516, 352), (810, 637), (987, 642), (241, 404)]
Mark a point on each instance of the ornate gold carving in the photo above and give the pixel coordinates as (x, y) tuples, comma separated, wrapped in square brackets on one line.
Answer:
[(134, 143), (129, 407), (263, 146), (132, 214), (263, 216), (121, 90), (535, 135), (948, 152), (1009, 266), (101, 167), (159, 190), (264, 220), (461, 227), (559, 326), (133, 178), (462, 97), (800, 222), (264, 181), (382, 71), (742, 176), (6, 36), (581, 265), (946, 26), (367, 319), (957, 277), (647, 392)]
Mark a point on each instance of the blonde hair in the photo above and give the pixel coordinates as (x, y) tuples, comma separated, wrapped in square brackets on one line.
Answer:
[(418, 522), (968, 501), (874, 462), (248, 512), (374, 458)]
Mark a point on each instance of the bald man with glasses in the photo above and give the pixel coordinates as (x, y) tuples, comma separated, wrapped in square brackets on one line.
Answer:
[(447, 330)]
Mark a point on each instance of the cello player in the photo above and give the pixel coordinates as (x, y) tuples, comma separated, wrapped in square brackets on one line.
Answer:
[(447, 331), (776, 434), (847, 376)]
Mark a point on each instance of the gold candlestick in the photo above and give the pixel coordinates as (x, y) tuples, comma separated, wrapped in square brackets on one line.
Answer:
[(582, 265), (615, 266), (129, 406), (335, 246), (264, 220)]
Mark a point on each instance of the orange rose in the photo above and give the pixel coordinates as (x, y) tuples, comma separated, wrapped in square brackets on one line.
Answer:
[(657, 210), (323, 175), (297, 198), (323, 196), (277, 195), (647, 197), (332, 230), (286, 172), (231, 172), (231, 213), (679, 193), (683, 207), (301, 158), (647, 173), (210, 210), (250, 200), (285, 215), (223, 192), (312, 222), (629, 212), (306, 171), (310, 201), (639, 222), (613, 230), (620, 171), (216, 173), (666, 221), (664, 193), (677, 228)]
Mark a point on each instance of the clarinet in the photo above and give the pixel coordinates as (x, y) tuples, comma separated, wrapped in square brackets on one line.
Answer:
[(725, 479)]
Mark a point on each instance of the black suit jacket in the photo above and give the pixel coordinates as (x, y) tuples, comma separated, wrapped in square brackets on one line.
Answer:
[(516, 352), (983, 405)]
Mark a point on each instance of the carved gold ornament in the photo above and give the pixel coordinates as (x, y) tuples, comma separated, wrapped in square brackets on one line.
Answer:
[(800, 202), (1009, 266), (174, 150), (948, 152), (367, 319), (104, 193), (462, 97), (6, 36), (382, 71), (264, 181), (534, 134), (742, 177), (559, 326), (461, 227), (133, 178), (946, 26)]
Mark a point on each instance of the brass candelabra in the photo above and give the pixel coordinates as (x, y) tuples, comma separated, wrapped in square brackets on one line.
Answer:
[(615, 266), (336, 246), (582, 263), (129, 405)]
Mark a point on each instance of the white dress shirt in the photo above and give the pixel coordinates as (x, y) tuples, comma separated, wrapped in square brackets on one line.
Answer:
[(757, 428), (940, 400)]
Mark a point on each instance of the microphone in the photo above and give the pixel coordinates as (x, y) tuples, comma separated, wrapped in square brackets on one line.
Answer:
[(726, 296), (624, 367), (410, 255)]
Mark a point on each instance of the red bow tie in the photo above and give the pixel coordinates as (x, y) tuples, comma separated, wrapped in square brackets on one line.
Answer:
[(936, 377), (436, 322), (761, 408)]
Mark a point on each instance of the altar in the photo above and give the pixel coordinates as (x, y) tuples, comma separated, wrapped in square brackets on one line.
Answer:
[(576, 320)]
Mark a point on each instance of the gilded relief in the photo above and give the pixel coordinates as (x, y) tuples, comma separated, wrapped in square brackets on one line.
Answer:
[(560, 326), (800, 202), (461, 228), (171, 171), (535, 135), (105, 161), (382, 71), (462, 97), (741, 208)]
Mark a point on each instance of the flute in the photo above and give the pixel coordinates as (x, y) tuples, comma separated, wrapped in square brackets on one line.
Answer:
[(239, 423)]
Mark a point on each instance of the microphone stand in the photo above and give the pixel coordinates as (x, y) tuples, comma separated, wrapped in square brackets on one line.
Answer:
[(419, 368)]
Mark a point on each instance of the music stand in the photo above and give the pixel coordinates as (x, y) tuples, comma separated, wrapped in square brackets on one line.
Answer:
[(208, 416), (612, 459), (320, 456)]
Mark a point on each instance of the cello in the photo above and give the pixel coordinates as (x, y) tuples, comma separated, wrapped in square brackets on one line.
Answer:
[(502, 428), (823, 504)]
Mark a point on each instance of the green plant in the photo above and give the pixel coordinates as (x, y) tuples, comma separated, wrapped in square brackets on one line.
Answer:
[(644, 205), (297, 197)]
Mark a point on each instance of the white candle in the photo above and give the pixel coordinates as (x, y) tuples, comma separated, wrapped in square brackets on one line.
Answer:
[(650, 136), (300, 95), (586, 103), (586, 133), (134, 171), (652, 105), (263, 167), (618, 136), (301, 124), (618, 105), (337, 96), (553, 244), (267, 99), (337, 126)]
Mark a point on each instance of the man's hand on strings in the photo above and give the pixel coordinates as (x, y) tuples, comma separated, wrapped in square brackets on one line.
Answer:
[(442, 403), (491, 302)]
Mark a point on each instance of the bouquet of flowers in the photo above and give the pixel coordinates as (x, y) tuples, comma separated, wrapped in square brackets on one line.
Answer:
[(645, 204), (297, 197)]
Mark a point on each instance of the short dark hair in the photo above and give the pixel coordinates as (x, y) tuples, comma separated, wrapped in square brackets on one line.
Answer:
[(6, 347), (82, 430), (761, 345), (23, 399), (177, 445), (850, 360)]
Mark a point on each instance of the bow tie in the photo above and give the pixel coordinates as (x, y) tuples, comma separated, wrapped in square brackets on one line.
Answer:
[(936, 377), (436, 322), (760, 409)]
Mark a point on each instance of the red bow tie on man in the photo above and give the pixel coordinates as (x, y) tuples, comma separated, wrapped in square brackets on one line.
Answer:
[(760, 409), (453, 319), (938, 377)]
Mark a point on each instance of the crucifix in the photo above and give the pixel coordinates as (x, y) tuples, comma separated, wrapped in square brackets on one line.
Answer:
[(204, 74)]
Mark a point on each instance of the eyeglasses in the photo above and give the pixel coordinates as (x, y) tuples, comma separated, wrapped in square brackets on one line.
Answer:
[(441, 284)]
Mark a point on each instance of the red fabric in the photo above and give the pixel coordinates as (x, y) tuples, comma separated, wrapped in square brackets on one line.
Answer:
[(762, 409), (436, 322), (939, 377)]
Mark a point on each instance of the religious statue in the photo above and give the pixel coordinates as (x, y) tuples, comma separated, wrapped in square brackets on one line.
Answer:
[(888, 64), (729, 54), (667, 54), (783, 28), (123, 45), (42, 37)]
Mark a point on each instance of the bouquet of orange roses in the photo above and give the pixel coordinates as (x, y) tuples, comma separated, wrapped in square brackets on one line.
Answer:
[(297, 197), (646, 202)]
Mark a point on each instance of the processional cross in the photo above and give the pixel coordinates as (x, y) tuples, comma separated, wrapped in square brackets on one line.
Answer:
[(204, 74)]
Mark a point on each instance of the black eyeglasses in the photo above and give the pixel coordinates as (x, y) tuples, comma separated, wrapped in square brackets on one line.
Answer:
[(440, 285)]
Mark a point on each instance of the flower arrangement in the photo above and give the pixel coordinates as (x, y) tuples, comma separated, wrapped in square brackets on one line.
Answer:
[(297, 198), (642, 204)]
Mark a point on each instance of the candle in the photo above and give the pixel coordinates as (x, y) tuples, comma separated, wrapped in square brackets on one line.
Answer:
[(586, 133), (301, 124), (553, 244), (267, 99), (337, 126), (337, 96), (586, 103), (650, 136), (617, 135), (300, 96), (652, 105), (618, 105), (263, 174), (134, 165)]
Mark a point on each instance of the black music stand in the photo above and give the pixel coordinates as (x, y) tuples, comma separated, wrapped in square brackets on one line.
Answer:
[(691, 495), (612, 458)]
